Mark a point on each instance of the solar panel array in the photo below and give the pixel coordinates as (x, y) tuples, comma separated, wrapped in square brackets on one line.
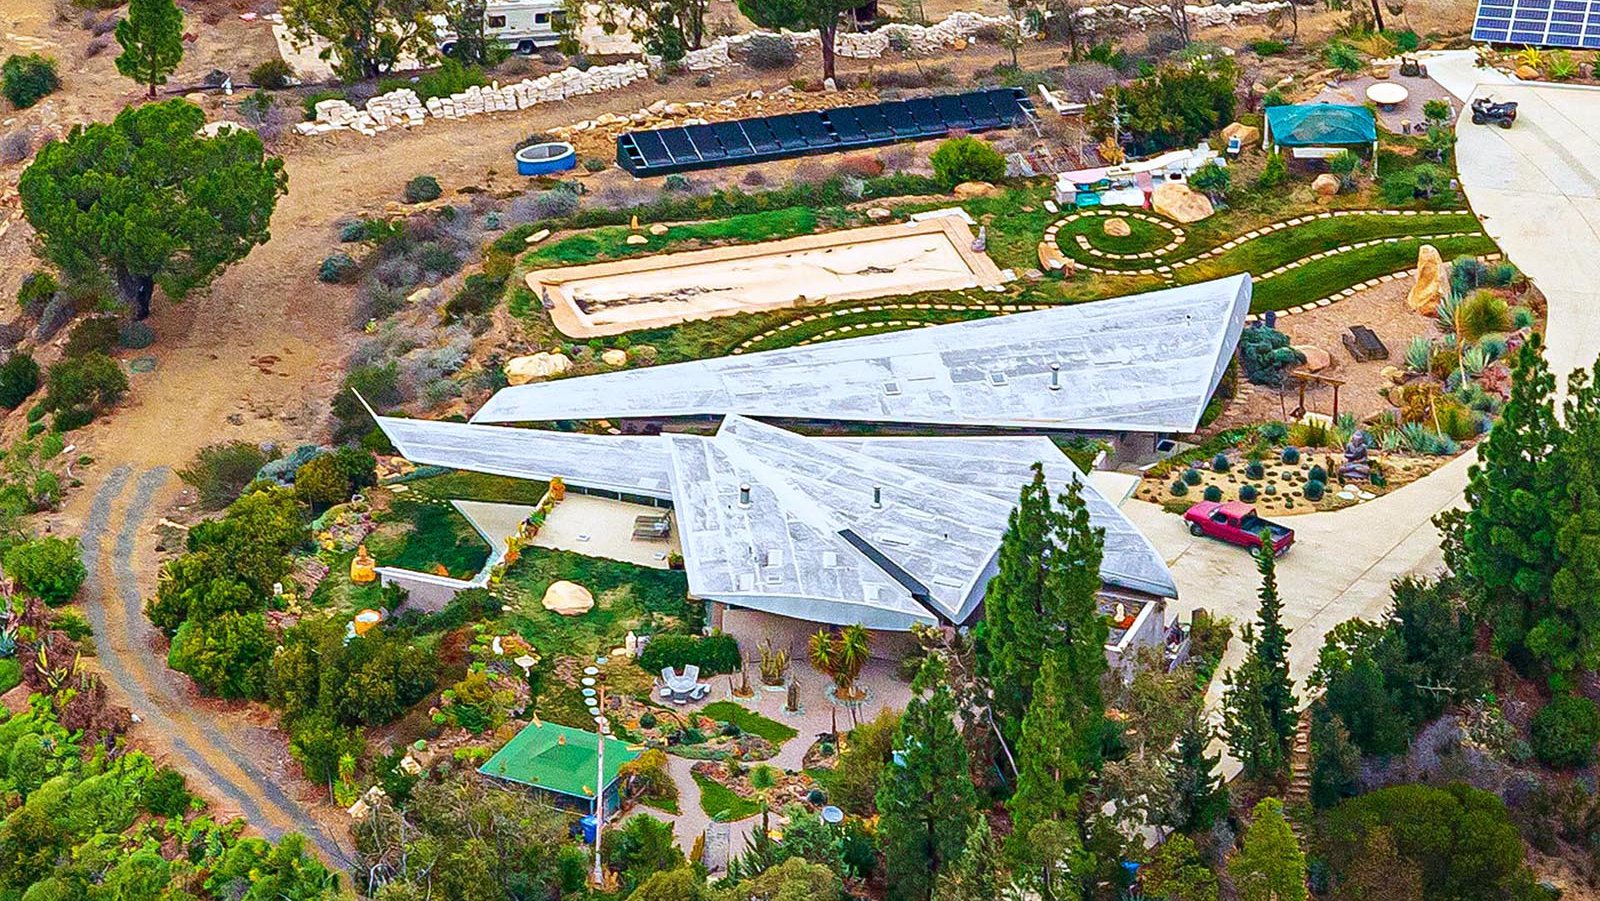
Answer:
[(682, 149), (1539, 23)]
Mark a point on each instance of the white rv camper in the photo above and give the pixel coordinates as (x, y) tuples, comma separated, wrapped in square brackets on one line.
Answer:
[(524, 25)]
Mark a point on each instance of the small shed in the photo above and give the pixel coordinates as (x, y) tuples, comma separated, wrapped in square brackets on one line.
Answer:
[(1319, 130), (560, 761)]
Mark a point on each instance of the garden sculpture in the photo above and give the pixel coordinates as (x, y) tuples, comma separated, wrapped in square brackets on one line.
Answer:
[(363, 568), (1356, 468)]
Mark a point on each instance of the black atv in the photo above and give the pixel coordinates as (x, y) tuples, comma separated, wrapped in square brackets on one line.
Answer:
[(1485, 111)]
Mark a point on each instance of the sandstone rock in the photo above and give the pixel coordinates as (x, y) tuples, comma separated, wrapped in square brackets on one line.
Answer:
[(878, 212), (1117, 228), (614, 357), (969, 189), (1051, 258), (537, 236), (1527, 73), (418, 295), (658, 229), (1429, 287), (1325, 185), (638, 239), (1248, 135), (568, 598), (1317, 359), (1393, 375), (522, 370), (1177, 201)]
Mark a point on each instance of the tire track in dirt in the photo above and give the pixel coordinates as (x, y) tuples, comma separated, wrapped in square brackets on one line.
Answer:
[(160, 696)]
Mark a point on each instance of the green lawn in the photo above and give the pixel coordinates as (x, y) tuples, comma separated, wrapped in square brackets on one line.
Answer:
[(749, 721), (422, 534), (1324, 277), (626, 597), (1142, 235), (721, 804), (611, 242), (665, 805), (473, 486)]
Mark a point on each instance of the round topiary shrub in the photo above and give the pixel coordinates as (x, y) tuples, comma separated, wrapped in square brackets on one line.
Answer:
[(1565, 732), (1255, 470), (967, 158), (1314, 489), (1248, 493), (422, 189), (1191, 476), (1290, 455), (1219, 463), (816, 797), (1317, 474), (337, 267), (1213, 494), (135, 335), (1271, 489), (1178, 488)]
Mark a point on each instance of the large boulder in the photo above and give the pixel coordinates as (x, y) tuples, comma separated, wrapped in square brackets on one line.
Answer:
[(532, 368), (1248, 135), (613, 357), (970, 189), (568, 598), (1317, 359), (1179, 202), (1117, 228), (1429, 286), (1325, 185), (1051, 259)]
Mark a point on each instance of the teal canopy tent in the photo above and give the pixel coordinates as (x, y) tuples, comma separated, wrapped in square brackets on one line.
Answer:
[(1315, 130)]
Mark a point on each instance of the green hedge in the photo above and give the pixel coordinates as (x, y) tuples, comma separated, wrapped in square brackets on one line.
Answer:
[(715, 653)]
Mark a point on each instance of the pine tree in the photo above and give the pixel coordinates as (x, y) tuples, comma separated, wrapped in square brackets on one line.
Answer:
[(1198, 794), (926, 804), (1010, 644), (1335, 760), (152, 42), (1258, 707), (1566, 633), (975, 877), (1270, 866), (1053, 748), (1509, 536)]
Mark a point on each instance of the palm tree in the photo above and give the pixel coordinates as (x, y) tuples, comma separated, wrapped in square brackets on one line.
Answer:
[(841, 657)]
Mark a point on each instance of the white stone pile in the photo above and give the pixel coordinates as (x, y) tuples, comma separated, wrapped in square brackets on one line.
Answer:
[(1207, 16), (402, 107), (956, 28)]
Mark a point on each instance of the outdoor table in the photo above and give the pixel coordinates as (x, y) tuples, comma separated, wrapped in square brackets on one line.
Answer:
[(1387, 94)]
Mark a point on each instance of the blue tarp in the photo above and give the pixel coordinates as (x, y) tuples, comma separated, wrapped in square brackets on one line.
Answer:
[(1320, 124)]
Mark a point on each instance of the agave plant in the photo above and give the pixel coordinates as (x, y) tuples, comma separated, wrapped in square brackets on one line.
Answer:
[(1473, 359), (1532, 57), (1390, 441), (1560, 65), (8, 645), (1446, 311), (1418, 353)]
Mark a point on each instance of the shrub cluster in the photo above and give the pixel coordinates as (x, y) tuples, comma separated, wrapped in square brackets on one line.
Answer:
[(715, 653), (1566, 731), (19, 378), (967, 158), (332, 477), (26, 80), (49, 568), (273, 74), (423, 188), (221, 472), (78, 389)]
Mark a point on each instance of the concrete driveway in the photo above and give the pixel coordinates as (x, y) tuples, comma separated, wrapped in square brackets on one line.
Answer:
[(1536, 186)]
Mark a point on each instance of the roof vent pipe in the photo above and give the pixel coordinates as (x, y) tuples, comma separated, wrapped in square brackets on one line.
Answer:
[(877, 497), (1055, 376), (744, 495)]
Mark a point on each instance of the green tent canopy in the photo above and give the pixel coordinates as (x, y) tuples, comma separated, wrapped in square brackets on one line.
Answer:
[(555, 758), (1320, 125)]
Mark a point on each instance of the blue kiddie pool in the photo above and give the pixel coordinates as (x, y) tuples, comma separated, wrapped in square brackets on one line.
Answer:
[(543, 159)]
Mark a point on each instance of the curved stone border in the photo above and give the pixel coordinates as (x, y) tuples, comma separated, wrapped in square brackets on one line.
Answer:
[(1178, 235), (1166, 268), (1351, 291), (745, 345)]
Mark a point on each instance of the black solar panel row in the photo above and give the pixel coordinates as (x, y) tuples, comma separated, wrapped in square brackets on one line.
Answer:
[(669, 150), (1539, 23)]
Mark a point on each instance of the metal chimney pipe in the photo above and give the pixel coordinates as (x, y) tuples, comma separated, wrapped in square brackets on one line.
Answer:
[(877, 497), (744, 495), (1055, 376)]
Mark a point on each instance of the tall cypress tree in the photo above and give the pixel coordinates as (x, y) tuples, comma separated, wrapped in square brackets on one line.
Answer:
[(152, 42), (1565, 634), (1258, 706), (1198, 794), (1509, 537), (1010, 644), (926, 804)]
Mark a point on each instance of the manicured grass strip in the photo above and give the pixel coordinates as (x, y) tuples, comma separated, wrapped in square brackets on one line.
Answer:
[(459, 485), (878, 319), (1328, 276), (611, 242), (721, 804), (749, 721), (665, 805), (439, 536)]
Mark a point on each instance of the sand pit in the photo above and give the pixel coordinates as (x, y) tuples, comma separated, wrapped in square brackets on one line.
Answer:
[(651, 292)]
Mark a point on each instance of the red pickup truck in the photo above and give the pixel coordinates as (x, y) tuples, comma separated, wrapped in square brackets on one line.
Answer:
[(1237, 523)]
